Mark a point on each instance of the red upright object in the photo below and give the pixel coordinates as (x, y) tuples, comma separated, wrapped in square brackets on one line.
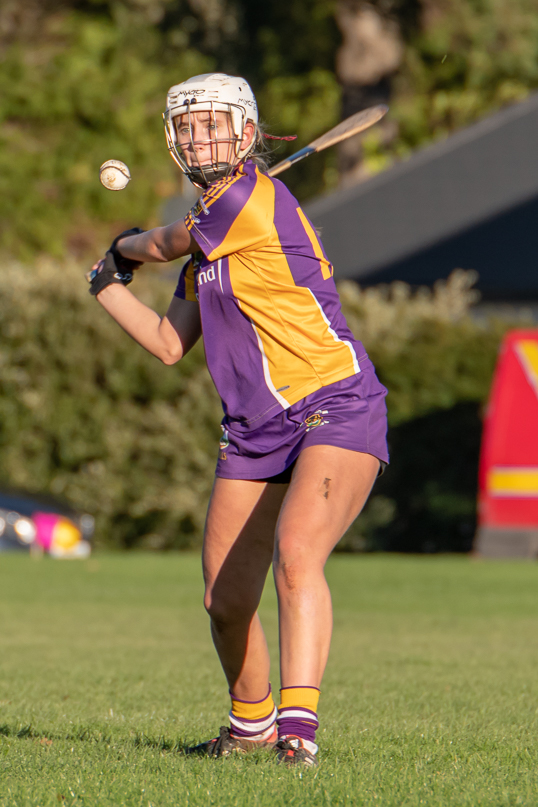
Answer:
[(508, 480)]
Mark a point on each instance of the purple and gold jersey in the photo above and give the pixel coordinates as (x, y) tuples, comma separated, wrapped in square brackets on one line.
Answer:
[(271, 319)]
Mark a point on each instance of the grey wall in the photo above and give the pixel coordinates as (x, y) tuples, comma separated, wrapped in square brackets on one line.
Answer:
[(469, 201)]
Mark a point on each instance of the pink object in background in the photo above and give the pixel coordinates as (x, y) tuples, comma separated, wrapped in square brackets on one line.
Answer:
[(58, 536), (45, 523)]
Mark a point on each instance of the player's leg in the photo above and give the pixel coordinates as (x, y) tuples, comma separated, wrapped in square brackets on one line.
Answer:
[(237, 554), (328, 490)]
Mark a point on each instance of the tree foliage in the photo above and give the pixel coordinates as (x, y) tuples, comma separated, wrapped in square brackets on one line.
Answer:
[(463, 60), (82, 81), (86, 91), (88, 82)]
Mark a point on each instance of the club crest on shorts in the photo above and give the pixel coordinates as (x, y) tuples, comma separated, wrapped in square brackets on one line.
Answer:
[(316, 419), (223, 444)]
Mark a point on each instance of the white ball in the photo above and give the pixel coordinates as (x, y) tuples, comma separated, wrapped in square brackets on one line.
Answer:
[(114, 175)]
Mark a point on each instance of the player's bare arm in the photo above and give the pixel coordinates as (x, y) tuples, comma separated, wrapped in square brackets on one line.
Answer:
[(159, 245), (168, 338)]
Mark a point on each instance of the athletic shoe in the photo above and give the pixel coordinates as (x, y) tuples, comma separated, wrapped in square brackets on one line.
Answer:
[(227, 743), (291, 750)]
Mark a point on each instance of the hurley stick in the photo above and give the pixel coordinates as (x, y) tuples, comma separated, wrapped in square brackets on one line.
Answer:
[(349, 127)]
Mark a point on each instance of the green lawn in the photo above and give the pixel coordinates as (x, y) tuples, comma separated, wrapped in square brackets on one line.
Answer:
[(107, 670)]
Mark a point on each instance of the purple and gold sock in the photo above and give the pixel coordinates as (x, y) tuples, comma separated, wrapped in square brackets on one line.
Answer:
[(297, 714), (253, 719)]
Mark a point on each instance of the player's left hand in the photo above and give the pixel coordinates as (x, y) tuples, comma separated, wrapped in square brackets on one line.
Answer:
[(125, 264)]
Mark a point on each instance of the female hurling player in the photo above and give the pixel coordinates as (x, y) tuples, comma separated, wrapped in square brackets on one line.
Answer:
[(304, 415)]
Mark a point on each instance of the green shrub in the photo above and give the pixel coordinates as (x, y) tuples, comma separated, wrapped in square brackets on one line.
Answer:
[(429, 352)]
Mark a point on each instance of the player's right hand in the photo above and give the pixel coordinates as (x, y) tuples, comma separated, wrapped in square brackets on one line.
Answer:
[(96, 268), (104, 273)]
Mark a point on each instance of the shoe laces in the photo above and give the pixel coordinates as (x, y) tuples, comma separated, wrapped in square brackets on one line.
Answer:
[(221, 740), (290, 743)]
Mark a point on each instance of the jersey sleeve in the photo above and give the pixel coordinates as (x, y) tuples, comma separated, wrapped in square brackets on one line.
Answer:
[(233, 215), (186, 284)]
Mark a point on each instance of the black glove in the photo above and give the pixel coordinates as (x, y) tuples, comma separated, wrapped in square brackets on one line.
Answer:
[(125, 264), (108, 275)]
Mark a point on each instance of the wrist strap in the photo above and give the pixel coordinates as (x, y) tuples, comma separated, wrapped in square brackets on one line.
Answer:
[(108, 275)]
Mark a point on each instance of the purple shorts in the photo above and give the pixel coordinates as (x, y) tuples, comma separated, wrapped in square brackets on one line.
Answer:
[(348, 414)]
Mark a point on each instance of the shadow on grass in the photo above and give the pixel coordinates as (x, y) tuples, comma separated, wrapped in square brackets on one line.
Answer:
[(162, 744), (87, 735)]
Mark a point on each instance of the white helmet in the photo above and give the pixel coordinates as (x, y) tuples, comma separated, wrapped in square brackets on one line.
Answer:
[(211, 92)]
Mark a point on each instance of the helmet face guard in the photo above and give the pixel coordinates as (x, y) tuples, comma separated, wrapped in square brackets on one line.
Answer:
[(225, 151), (211, 93)]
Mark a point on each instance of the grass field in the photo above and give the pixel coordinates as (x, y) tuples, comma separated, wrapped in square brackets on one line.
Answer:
[(107, 670)]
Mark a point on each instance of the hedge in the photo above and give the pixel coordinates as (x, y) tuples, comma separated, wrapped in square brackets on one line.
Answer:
[(89, 416)]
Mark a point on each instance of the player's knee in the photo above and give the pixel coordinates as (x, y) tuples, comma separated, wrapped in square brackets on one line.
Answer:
[(289, 576), (294, 562), (226, 608), (220, 610)]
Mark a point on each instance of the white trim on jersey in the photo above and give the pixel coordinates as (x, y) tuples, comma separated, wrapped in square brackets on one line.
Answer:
[(266, 374), (335, 335)]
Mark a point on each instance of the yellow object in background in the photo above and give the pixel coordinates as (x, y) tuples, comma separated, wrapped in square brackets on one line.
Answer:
[(65, 536), (512, 482)]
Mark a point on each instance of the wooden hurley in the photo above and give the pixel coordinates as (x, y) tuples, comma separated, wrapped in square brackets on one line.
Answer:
[(347, 128)]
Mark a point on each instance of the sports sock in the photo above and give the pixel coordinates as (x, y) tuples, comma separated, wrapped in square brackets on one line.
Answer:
[(254, 720), (297, 714)]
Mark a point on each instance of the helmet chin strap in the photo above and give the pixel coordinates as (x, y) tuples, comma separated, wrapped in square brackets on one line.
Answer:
[(203, 176)]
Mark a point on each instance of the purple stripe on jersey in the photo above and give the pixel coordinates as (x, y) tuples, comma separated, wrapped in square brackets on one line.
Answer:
[(233, 356), (181, 291), (295, 243)]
